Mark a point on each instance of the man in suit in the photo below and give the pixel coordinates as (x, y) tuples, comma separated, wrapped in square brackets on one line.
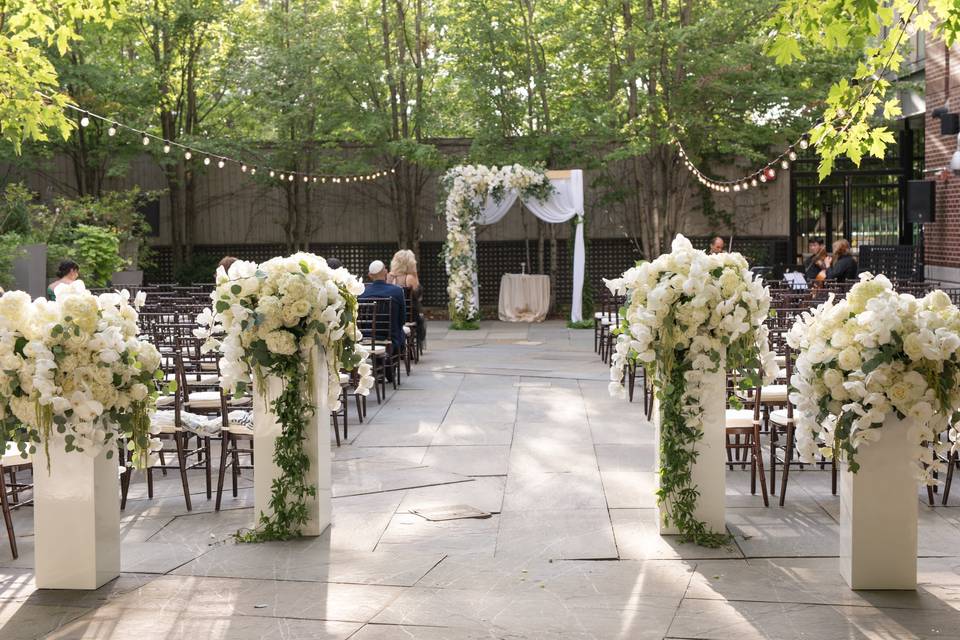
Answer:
[(379, 288)]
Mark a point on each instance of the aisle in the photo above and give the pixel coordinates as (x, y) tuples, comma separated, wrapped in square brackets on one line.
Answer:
[(514, 420)]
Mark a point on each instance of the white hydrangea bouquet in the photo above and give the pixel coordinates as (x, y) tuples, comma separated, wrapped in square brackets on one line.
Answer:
[(265, 321), (874, 353), (690, 313), (464, 192), (76, 373)]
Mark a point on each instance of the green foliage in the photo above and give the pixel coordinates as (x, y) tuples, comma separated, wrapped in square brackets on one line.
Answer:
[(200, 268), (31, 33), (97, 250), (851, 124), (288, 499), (582, 324), (10, 249), (465, 325)]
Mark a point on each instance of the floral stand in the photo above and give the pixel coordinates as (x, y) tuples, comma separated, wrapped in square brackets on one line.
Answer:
[(317, 446), (709, 471), (878, 513), (76, 518)]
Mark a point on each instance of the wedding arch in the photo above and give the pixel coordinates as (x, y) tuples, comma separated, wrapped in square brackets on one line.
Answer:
[(476, 194)]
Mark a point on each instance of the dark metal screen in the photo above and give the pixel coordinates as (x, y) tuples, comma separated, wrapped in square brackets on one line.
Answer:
[(606, 258)]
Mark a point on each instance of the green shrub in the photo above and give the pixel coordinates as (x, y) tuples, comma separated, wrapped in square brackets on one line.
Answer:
[(200, 268), (97, 250)]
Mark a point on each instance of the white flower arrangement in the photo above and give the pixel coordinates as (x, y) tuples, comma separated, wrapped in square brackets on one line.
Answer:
[(77, 372), (284, 307), (872, 354), (466, 189), (688, 314)]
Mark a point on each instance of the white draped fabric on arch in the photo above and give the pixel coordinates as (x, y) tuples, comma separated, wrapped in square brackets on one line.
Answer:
[(564, 202)]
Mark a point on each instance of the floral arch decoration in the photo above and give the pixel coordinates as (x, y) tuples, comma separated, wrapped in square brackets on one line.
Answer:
[(476, 194)]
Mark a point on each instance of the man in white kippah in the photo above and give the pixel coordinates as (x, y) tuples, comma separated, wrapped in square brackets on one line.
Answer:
[(379, 289)]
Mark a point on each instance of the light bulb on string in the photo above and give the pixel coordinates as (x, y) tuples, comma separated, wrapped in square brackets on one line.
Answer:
[(753, 182), (84, 121), (805, 141), (736, 187), (112, 131), (763, 177), (243, 168), (792, 155), (146, 140), (220, 163), (166, 148), (306, 179), (187, 154), (784, 164), (291, 177), (206, 160), (253, 171), (272, 173), (771, 173)]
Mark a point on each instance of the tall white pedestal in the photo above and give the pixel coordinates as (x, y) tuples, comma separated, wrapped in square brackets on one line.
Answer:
[(76, 519), (878, 513), (317, 446), (709, 471)]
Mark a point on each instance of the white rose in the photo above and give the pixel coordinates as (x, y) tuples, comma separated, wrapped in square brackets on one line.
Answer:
[(849, 359)]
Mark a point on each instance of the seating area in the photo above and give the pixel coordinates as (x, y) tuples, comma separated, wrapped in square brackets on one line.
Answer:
[(760, 428), (201, 428)]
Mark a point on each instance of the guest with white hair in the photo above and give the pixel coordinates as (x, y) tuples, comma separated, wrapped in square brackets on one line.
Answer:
[(378, 287)]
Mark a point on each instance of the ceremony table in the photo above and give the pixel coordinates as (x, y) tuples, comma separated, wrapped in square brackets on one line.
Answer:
[(524, 297)]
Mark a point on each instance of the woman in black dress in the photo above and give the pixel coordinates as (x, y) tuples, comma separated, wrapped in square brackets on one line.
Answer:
[(841, 266)]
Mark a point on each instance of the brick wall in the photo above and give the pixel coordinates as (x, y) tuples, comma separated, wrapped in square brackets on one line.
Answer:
[(942, 238)]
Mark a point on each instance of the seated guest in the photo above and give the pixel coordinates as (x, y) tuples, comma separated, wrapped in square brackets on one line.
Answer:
[(815, 263), (378, 287), (226, 262), (403, 273), (68, 271), (333, 263), (841, 266), (716, 245)]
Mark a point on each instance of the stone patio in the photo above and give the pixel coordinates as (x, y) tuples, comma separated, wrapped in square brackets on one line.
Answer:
[(514, 420)]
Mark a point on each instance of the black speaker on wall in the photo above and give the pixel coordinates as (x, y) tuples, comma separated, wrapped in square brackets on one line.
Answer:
[(921, 201)]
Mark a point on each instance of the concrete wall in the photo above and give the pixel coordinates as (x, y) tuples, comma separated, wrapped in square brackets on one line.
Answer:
[(237, 209)]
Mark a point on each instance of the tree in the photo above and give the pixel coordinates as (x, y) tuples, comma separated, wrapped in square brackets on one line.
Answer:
[(31, 106), (849, 123)]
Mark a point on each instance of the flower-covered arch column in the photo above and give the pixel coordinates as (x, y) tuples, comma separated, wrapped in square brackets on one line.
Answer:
[(476, 194)]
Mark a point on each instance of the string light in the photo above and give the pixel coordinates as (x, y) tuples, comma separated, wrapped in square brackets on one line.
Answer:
[(188, 152)]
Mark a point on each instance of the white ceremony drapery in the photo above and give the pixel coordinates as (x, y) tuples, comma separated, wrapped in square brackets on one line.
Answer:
[(565, 203)]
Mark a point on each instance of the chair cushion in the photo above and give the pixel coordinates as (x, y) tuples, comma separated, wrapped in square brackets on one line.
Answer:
[(344, 378), (779, 417), (379, 350), (11, 457), (211, 400), (406, 330), (739, 418), (165, 401), (770, 394)]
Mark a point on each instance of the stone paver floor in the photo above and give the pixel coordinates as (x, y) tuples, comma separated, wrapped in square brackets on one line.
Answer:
[(514, 420)]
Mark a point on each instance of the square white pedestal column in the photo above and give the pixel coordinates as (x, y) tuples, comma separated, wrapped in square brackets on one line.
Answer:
[(76, 518), (709, 471), (317, 446), (878, 513)]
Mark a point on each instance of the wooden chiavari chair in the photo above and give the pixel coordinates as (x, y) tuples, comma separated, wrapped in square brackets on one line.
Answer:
[(11, 464)]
